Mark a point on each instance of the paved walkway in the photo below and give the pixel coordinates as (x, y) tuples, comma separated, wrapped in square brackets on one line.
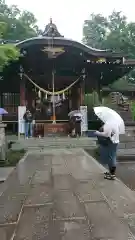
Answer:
[(5, 172), (54, 142), (61, 195)]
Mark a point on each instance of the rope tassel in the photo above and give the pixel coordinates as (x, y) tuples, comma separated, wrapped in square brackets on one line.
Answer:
[(58, 97)]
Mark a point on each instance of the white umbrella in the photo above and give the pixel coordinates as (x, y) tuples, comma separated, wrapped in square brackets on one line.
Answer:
[(108, 115)]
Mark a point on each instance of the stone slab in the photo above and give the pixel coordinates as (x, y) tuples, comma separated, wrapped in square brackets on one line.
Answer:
[(58, 169), (39, 195), (41, 177), (34, 224), (63, 182), (64, 197), (73, 200), (54, 143), (130, 218), (49, 230), (5, 172), (104, 224), (75, 230), (118, 200), (86, 192), (57, 160), (7, 232), (10, 208), (67, 207)]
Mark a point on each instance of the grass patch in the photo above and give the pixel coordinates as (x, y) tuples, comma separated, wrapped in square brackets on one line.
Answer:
[(13, 157)]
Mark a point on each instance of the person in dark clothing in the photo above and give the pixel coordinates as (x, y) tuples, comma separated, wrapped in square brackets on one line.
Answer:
[(78, 120), (28, 117), (70, 126)]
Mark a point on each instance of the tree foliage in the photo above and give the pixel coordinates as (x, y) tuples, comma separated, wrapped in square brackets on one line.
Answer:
[(14, 25), (112, 32), (18, 25), (7, 53)]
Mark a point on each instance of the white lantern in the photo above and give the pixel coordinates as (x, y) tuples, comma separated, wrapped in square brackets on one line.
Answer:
[(63, 96), (39, 94)]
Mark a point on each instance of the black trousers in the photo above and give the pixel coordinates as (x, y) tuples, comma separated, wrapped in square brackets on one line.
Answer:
[(71, 127), (78, 128)]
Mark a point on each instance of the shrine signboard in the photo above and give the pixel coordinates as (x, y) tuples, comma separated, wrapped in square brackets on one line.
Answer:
[(84, 123), (21, 123)]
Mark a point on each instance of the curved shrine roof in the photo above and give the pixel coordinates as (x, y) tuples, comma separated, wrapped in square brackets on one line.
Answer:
[(60, 41), (51, 33)]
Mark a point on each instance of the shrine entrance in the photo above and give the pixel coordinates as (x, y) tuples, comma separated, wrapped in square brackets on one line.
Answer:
[(52, 76), (51, 106), (57, 101)]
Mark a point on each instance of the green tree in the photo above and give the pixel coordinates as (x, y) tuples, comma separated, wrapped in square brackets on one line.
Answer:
[(113, 32), (19, 25), (95, 31), (14, 25), (8, 53)]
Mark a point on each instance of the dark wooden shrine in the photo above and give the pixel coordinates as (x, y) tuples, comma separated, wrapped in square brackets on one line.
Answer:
[(68, 60)]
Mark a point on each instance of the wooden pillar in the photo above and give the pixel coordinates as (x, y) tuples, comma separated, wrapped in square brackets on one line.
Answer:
[(99, 90), (70, 100), (75, 97), (22, 92), (82, 92), (78, 97)]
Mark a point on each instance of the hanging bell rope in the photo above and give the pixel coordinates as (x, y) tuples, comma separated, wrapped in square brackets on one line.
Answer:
[(48, 92)]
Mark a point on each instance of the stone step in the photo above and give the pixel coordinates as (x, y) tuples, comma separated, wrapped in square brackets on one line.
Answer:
[(55, 143)]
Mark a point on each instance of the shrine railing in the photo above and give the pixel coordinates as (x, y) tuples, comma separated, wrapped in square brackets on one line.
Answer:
[(10, 102)]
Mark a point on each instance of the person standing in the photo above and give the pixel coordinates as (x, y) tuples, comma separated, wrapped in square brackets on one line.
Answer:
[(71, 126), (28, 118), (78, 120), (108, 140)]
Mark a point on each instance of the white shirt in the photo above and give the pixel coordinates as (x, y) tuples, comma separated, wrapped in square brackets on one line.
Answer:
[(110, 130)]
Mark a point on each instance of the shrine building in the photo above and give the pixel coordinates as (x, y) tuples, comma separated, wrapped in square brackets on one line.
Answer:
[(52, 75)]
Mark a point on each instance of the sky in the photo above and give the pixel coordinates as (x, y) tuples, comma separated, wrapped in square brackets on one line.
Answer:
[(69, 15)]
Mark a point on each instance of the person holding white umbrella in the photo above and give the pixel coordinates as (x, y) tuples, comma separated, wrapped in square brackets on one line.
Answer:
[(108, 138)]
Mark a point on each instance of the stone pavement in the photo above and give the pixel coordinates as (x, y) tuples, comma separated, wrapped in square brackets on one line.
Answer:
[(60, 194), (54, 142), (5, 172)]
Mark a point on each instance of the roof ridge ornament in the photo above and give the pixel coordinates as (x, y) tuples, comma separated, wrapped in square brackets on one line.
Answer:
[(51, 30)]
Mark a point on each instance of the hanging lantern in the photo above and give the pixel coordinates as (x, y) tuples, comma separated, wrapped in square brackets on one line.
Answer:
[(63, 96), (58, 97), (46, 96), (39, 94), (21, 72)]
